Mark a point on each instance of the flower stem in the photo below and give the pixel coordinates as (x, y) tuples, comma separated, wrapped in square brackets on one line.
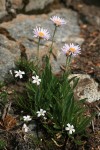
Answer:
[(38, 49), (52, 41), (68, 62)]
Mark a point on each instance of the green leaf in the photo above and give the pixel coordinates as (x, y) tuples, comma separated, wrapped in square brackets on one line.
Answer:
[(84, 123), (75, 82)]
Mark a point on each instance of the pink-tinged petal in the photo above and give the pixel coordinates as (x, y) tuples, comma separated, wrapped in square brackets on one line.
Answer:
[(71, 49), (57, 20)]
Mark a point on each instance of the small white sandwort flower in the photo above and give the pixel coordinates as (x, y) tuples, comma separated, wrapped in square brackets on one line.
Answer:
[(70, 128), (25, 128), (36, 79), (57, 20), (44, 118), (71, 49), (41, 33), (27, 118), (19, 74), (41, 113)]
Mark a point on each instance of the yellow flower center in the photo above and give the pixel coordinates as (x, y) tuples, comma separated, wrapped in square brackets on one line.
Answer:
[(41, 34), (72, 49)]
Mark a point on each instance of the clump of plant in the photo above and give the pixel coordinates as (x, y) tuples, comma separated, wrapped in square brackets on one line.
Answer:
[(50, 99)]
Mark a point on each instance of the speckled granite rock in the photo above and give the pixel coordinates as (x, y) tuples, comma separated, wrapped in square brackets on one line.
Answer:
[(86, 88), (9, 53), (35, 5), (3, 11), (23, 25), (17, 4), (2, 5)]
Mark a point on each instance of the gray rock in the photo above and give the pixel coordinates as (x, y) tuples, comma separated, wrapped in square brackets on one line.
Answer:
[(2, 5), (9, 53), (21, 29), (17, 4), (3, 14), (3, 11), (86, 88), (35, 5), (23, 26)]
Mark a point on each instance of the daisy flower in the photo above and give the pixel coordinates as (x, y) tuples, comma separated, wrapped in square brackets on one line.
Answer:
[(41, 33), (27, 118), (57, 20), (36, 79), (70, 128), (71, 49), (41, 113), (19, 74)]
